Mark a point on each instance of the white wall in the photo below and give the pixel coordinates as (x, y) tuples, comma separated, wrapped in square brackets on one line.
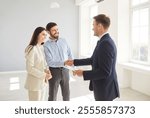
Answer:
[(141, 82), (19, 18), (123, 42), (79, 2)]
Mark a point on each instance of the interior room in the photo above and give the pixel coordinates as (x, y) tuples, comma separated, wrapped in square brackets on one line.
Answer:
[(129, 29)]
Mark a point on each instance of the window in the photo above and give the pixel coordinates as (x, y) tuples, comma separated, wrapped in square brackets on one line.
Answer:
[(138, 2), (140, 31), (93, 39), (14, 83), (88, 40)]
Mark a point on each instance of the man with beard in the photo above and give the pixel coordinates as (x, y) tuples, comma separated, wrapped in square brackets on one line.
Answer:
[(57, 53)]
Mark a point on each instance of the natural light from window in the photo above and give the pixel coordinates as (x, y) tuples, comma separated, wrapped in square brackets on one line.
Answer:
[(137, 2), (88, 40), (140, 30), (14, 83)]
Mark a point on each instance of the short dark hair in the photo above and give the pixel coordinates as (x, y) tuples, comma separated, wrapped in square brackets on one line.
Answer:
[(103, 19), (50, 25)]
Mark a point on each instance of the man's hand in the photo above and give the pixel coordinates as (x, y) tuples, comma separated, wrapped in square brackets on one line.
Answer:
[(78, 73), (69, 62)]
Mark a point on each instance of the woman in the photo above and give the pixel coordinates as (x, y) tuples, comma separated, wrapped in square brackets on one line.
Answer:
[(37, 73)]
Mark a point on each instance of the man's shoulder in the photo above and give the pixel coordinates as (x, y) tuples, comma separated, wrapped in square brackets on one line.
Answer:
[(107, 41), (46, 43), (62, 39), (107, 38)]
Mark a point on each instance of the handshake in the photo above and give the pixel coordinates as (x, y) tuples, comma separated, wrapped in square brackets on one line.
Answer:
[(69, 63), (75, 72)]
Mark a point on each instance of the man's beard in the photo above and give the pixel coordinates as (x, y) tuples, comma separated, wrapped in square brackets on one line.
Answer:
[(53, 36)]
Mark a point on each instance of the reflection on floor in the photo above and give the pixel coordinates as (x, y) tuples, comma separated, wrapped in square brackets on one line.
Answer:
[(12, 89)]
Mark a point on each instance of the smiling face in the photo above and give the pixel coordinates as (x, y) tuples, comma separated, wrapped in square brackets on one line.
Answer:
[(95, 28), (54, 33), (42, 37), (98, 28)]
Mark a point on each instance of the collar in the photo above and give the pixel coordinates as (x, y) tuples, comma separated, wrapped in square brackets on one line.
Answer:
[(100, 37), (51, 40), (38, 45)]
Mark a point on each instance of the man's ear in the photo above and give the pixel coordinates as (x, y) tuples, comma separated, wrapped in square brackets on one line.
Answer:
[(99, 26)]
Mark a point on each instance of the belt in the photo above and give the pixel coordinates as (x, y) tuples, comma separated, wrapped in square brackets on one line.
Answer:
[(60, 68)]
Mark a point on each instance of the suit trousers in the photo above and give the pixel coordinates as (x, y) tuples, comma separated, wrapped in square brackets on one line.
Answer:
[(60, 76)]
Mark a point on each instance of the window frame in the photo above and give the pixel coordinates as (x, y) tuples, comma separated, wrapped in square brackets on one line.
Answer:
[(139, 7)]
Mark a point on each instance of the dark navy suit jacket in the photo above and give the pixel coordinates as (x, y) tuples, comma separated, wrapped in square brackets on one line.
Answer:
[(103, 77)]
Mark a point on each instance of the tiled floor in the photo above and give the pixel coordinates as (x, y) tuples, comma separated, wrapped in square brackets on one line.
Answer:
[(12, 88)]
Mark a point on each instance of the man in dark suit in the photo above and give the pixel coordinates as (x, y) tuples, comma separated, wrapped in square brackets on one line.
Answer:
[(103, 77)]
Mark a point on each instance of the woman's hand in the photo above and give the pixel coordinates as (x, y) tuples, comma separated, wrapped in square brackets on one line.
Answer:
[(48, 75)]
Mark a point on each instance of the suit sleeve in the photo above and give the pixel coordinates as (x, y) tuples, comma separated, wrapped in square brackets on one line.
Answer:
[(105, 58), (81, 62), (30, 66)]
